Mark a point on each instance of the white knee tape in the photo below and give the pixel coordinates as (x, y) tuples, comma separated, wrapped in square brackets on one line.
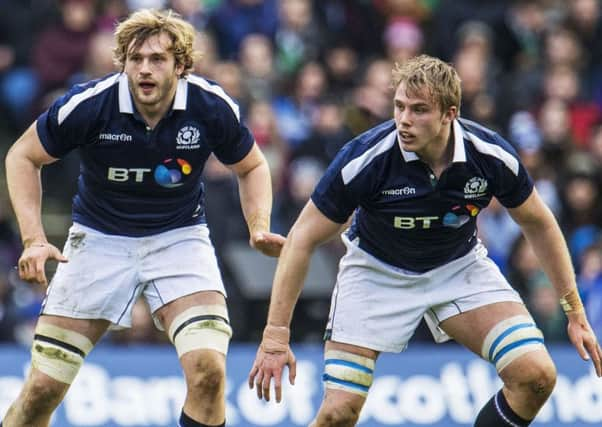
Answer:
[(59, 352), (348, 372), (201, 327), (510, 339)]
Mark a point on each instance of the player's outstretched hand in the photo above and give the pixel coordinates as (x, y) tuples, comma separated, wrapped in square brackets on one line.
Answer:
[(32, 261), (269, 244), (583, 338), (269, 365)]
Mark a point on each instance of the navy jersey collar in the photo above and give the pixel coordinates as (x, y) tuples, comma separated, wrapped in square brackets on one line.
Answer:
[(125, 98), (459, 150)]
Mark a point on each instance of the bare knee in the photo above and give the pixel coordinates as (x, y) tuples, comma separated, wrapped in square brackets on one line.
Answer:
[(535, 376), (337, 416), (339, 409), (205, 372), (41, 396)]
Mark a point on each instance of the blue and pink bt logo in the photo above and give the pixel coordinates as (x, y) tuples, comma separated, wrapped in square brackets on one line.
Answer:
[(170, 173)]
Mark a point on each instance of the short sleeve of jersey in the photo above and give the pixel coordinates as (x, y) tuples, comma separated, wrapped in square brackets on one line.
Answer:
[(235, 140), (513, 184), (62, 128), (335, 199)]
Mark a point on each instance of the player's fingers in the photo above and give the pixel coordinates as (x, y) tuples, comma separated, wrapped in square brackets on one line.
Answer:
[(579, 345), (23, 270), (57, 255), (267, 379), (292, 370), (252, 374), (596, 354), (278, 385), (258, 386), (40, 274)]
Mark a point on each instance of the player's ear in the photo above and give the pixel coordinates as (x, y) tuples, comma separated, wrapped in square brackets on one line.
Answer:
[(450, 114), (179, 69)]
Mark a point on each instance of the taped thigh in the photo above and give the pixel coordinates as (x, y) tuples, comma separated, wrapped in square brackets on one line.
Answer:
[(59, 352), (201, 327), (510, 339), (348, 372)]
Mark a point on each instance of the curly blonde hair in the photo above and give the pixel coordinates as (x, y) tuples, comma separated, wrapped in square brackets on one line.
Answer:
[(440, 80), (145, 23)]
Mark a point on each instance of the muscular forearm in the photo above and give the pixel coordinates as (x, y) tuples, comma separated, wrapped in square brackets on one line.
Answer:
[(549, 245), (288, 280), (255, 189), (25, 190)]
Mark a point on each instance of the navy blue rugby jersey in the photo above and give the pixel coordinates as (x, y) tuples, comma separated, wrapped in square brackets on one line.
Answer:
[(137, 181), (407, 217)]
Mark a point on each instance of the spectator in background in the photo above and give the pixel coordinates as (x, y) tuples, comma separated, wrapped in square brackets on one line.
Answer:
[(523, 130), (582, 204), (329, 133), (61, 49), (370, 101), (99, 58), (233, 20), (262, 123), (341, 63), (299, 38), (590, 283), (295, 112), (256, 59), (562, 82), (303, 175), (193, 11), (554, 122), (498, 231), (110, 12), (356, 20), (595, 145), (585, 19), (204, 43), (228, 74), (403, 40), (20, 22)]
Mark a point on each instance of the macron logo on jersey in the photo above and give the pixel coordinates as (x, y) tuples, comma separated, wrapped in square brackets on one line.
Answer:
[(115, 137), (405, 191)]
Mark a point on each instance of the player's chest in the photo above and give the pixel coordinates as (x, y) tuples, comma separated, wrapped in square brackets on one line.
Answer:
[(131, 138), (418, 198)]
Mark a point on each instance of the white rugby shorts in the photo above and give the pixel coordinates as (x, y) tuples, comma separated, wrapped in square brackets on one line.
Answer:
[(107, 273), (379, 306)]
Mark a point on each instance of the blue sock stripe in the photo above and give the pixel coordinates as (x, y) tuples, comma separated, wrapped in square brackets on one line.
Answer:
[(348, 364), (507, 332), (327, 377), (514, 345)]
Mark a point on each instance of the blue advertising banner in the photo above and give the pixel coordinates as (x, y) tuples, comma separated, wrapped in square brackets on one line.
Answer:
[(424, 386)]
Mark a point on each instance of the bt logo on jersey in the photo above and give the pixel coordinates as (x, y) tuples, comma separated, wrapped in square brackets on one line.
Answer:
[(124, 174), (409, 222)]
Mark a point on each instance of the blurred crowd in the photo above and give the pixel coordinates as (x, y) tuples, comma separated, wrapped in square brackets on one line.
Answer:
[(308, 76)]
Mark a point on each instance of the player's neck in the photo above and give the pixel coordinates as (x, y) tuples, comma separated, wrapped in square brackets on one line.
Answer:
[(439, 153), (153, 113)]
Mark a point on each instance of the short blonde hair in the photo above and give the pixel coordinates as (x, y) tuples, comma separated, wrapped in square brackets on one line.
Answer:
[(440, 80), (145, 23)]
